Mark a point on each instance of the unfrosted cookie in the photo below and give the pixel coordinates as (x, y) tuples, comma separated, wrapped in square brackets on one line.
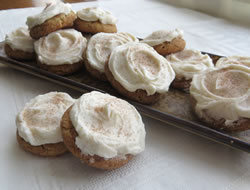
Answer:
[(221, 97), (19, 45), (61, 52), (38, 124), (186, 64), (166, 41), (238, 60), (94, 20), (99, 49), (103, 131), (138, 72), (55, 16)]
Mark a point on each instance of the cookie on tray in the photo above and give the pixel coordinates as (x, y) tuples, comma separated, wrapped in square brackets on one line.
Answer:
[(94, 20), (61, 52), (103, 131), (221, 97), (55, 16), (19, 45), (138, 72), (38, 124), (186, 64), (166, 41), (99, 49), (238, 60)]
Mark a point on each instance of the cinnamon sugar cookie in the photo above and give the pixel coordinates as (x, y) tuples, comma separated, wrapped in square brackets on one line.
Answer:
[(237, 60)]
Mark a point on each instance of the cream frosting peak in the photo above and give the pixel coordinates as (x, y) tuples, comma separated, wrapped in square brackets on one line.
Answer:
[(238, 60), (20, 40), (48, 12), (61, 47), (95, 13), (107, 126), (138, 66), (101, 45), (223, 93), (161, 36), (39, 121)]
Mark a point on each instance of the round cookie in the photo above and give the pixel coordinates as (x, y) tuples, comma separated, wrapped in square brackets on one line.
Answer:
[(99, 49), (54, 17), (38, 124), (61, 52), (138, 72), (97, 131), (94, 20), (186, 64), (19, 45), (237, 60), (166, 41), (220, 97)]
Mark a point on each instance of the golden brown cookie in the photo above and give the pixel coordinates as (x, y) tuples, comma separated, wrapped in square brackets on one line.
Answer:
[(18, 54), (94, 72), (139, 95), (69, 135), (93, 27), (47, 150), (57, 22), (177, 44)]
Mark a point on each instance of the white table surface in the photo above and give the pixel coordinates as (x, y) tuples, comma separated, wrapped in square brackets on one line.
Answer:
[(173, 159)]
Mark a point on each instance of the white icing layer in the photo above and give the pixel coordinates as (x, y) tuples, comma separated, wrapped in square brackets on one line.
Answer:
[(238, 60), (189, 62), (223, 93), (95, 13), (39, 121), (48, 12), (161, 36), (107, 126), (20, 40), (138, 66), (61, 47), (101, 45)]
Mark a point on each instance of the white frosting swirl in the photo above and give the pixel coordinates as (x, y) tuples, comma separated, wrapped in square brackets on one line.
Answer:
[(222, 93), (95, 13), (161, 36), (39, 121), (61, 47), (20, 40), (189, 62), (138, 66), (101, 45), (107, 126), (238, 60), (48, 12)]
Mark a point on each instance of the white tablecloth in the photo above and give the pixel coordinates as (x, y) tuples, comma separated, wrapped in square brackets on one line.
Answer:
[(173, 159)]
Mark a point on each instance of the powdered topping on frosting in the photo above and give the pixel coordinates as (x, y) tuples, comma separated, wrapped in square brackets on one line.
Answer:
[(39, 121), (20, 40), (189, 62), (161, 36), (238, 60), (61, 47), (223, 93), (138, 66), (48, 12), (101, 45), (96, 14), (107, 126)]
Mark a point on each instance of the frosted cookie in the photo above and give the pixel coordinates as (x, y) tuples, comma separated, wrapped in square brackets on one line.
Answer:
[(238, 60), (94, 20), (138, 72), (166, 41), (19, 45), (186, 64), (61, 52), (99, 49), (55, 16), (103, 131), (38, 124), (221, 97)]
